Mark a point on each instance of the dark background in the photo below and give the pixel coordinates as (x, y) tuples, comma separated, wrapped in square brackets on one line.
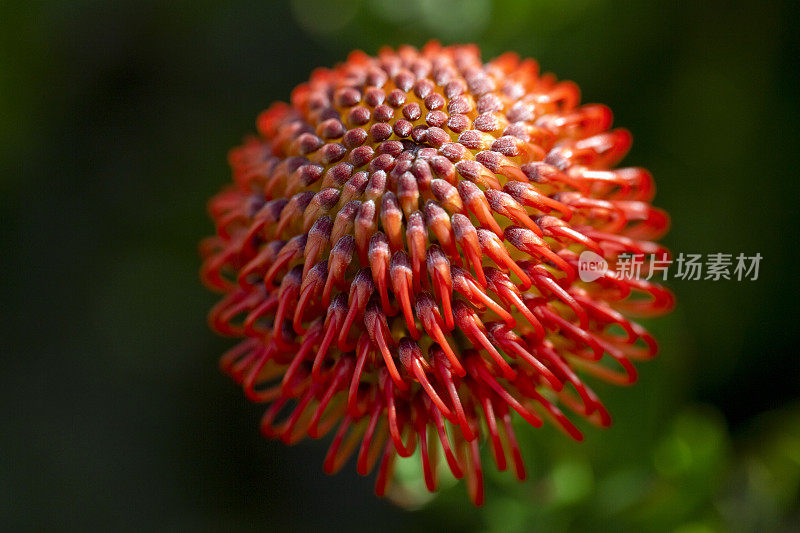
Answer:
[(115, 120)]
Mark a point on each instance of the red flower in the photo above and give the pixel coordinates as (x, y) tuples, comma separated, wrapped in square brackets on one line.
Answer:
[(399, 251)]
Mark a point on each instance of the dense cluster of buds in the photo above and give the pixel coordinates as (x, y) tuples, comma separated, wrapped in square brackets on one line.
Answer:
[(399, 252)]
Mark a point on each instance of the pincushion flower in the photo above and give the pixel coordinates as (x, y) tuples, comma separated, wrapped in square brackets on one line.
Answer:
[(399, 253)]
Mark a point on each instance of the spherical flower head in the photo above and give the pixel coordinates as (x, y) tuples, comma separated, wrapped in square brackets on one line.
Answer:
[(400, 251)]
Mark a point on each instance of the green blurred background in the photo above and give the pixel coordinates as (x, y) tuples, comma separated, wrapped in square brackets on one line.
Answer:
[(115, 120)]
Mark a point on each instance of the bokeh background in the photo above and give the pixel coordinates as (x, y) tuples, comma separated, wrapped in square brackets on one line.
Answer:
[(115, 120)]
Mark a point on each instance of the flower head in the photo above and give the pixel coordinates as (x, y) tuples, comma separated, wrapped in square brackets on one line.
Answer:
[(399, 251)]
